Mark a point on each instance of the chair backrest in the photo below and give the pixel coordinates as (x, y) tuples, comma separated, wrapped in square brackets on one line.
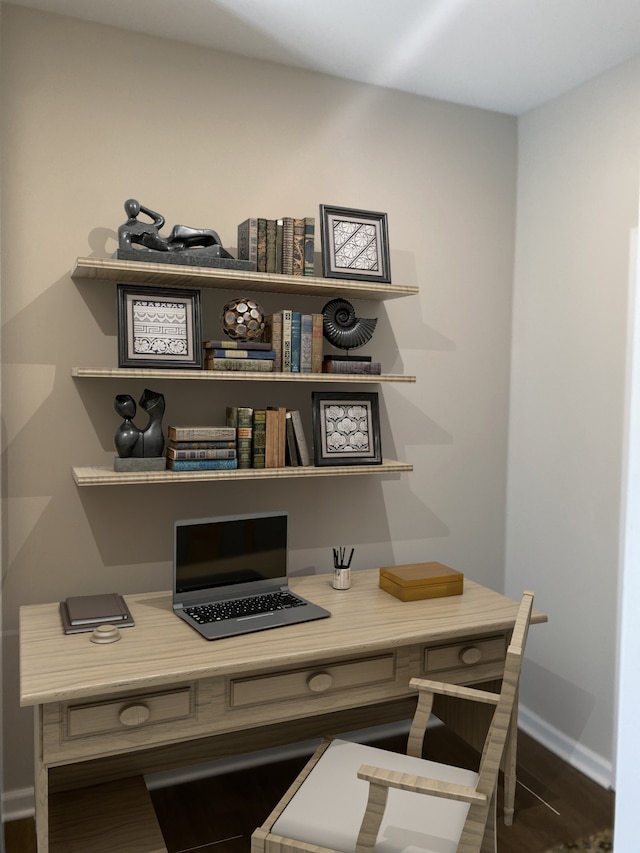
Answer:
[(502, 717)]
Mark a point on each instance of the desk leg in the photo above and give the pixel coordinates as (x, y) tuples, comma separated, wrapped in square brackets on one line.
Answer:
[(509, 766), (41, 787)]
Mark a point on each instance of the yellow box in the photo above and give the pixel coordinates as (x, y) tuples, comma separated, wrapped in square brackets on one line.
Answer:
[(421, 580)]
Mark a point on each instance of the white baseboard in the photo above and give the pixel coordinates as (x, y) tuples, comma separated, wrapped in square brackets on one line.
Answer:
[(17, 804), (580, 757)]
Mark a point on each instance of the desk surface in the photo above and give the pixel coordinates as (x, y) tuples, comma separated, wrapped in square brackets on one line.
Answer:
[(162, 649)]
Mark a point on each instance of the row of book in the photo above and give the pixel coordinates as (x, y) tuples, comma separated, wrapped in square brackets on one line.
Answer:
[(239, 355), (297, 341), (278, 245), (272, 437)]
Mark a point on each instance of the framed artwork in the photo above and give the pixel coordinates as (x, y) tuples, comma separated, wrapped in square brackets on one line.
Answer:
[(346, 428), (355, 244), (159, 327)]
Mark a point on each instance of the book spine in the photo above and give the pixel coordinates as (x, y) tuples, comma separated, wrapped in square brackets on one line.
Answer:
[(298, 247), (202, 445), (258, 451), (279, 236), (287, 245), (272, 438), (296, 330), (292, 453), (361, 367), (201, 464), (245, 354), (317, 341), (237, 345), (262, 365), (271, 245), (286, 340), (261, 257), (273, 324), (219, 433), (306, 343), (301, 441), (309, 245), (241, 418), (214, 453), (282, 436), (248, 240)]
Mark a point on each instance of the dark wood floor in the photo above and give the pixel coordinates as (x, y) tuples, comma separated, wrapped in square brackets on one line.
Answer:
[(554, 803)]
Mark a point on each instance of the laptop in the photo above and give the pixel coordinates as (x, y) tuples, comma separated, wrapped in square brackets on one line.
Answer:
[(230, 575)]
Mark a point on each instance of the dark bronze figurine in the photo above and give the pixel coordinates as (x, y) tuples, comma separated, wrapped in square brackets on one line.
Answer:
[(137, 232), (129, 440)]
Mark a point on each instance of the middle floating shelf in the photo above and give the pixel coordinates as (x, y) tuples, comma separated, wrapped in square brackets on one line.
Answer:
[(240, 375)]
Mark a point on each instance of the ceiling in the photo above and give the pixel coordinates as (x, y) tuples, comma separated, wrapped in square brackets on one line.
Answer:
[(503, 55)]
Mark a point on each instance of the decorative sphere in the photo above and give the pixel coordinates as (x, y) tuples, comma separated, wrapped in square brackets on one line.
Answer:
[(243, 320)]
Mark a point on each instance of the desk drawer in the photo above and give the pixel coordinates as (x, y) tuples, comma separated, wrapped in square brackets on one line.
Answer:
[(317, 681), (128, 714), (464, 656)]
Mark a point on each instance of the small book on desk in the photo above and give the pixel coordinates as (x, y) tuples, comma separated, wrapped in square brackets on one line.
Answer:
[(85, 612)]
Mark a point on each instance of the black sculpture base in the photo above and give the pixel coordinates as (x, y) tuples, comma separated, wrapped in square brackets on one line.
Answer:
[(193, 258), (139, 463), (342, 357)]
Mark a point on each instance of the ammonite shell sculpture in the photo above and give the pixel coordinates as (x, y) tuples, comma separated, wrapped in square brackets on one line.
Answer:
[(342, 328)]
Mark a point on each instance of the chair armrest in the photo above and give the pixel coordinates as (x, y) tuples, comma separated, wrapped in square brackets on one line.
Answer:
[(421, 785), (456, 690)]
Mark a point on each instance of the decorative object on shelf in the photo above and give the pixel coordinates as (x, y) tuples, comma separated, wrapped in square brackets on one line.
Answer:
[(141, 241), (355, 244), (341, 570), (243, 320), (159, 327), (342, 328), (139, 449), (346, 428)]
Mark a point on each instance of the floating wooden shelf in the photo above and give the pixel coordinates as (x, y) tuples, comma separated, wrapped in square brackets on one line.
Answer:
[(246, 375), (103, 476), (178, 275)]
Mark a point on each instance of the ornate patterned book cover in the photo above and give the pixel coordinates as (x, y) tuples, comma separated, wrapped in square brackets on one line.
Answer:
[(241, 417), (263, 365), (317, 344), (298, 246), (296, 323), (306, 343), (271, 245), (273, 334), (286, 340), (309, 245), (261, 258), (287, 245), (248, 240), (259, 444)]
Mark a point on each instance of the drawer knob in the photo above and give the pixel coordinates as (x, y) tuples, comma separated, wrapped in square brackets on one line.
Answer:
[(134, 715), (470, 655), (319, 682)]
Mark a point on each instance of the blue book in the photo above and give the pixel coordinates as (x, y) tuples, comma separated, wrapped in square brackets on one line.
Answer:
[(241, 353), (296, 331), (201, 464)]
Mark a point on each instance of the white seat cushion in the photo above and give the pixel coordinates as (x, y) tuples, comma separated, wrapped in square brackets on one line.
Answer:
[(328, 808)]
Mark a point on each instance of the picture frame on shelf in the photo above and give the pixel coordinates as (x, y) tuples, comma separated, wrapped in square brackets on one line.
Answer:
[(159, 327), (346, 428), (355, 244)]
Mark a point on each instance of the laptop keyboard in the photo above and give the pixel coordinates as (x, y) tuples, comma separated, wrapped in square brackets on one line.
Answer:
[(204, 613)]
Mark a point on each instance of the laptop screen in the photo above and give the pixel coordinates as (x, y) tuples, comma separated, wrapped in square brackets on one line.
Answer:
[(216, 552)]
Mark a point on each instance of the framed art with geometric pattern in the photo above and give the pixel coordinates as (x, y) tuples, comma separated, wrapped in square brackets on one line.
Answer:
[(355, 244), (346, 428), (159, 327)]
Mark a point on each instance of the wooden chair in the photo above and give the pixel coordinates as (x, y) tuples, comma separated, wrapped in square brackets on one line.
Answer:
[(410, 804)]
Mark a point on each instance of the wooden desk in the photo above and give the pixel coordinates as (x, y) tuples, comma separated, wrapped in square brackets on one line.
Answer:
[(163, 697)]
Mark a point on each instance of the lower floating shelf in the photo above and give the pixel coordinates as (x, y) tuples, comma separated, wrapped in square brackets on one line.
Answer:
[(102, 476)]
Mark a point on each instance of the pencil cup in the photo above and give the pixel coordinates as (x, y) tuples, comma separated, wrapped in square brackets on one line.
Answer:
[(341, 577)]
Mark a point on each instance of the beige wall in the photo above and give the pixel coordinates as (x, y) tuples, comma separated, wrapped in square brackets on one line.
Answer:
[(92, 116), (578, 175)]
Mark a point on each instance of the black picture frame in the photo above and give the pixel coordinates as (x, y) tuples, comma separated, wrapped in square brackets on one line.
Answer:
[(346, 428), (355, 244), (159, 327)]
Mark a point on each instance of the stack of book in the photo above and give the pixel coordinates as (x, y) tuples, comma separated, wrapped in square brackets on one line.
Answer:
[(278, 245), (296, 340), (271, 437), (201, 448), (81, 613), (239, 355)]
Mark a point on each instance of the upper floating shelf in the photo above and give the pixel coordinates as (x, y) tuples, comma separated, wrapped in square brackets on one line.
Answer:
[(175, 275), (253, 376)]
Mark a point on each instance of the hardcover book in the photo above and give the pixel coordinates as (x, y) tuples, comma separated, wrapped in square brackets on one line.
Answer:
[(309, 245), (241, 418), (237, 345), (272, 438), (83, 613), (201, 433), (286, 340), (292, 452), (296, 328), (317, 343), (201, 464), (255, 364), (261, 259), (306, 343), (202, 445), (248, 240), (287, 245), (259, 444), (271, 245), (241, 353), (298, 247), (273, 325), (211, 453), (302, 447)]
